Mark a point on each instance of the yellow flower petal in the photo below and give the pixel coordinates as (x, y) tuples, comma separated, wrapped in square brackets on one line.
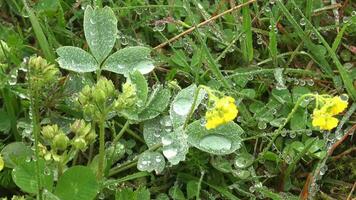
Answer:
[(223, 112), (338, 105), (324, 120), (1, 163)]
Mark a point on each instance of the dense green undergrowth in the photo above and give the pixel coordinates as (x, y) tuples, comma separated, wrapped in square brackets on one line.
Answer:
[(178, 100)]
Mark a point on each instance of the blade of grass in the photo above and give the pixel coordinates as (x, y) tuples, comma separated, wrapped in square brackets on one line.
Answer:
[(338, 38), (273, 40), (211, 62), (246, 42), (41, 38), (323, 64), (343, 72)]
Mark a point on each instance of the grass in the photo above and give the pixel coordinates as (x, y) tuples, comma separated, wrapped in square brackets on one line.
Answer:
[(276, 58)]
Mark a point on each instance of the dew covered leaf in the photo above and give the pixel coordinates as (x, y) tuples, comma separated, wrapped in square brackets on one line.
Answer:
[(129, 59), (151, 161), (175, 146), (76, 59), (156, 103), (155, 129), (77, 183), (222, 140), (182, 104), (100, 29), (25, 176), (15, 153)]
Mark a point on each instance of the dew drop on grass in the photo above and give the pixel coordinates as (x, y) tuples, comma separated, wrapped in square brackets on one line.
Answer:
[(292, 134), (323, 170), (215, 142), (262, 125), (302, 22), (302, 82), (159, 26), (124, 41), (309, 133), (310, 82), (267, 9), (182, 106), (166, 141)]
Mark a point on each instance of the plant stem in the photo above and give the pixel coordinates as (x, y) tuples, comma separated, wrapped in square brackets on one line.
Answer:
[(278, 131), (101, 148), (36, 131)]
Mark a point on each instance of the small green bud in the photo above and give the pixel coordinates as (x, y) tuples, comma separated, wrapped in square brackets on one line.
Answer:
[(79, 143), (60, 141), (50, 131), (90, 137), (77, 125), (100, 96)]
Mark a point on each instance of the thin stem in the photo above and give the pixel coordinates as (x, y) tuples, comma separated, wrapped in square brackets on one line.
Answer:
[(202, 24), (36, 131), (101, 148), (278, 131), (195, 98)]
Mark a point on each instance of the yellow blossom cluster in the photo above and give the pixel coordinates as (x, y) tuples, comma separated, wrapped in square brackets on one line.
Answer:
[(224, 111), (323, 117)]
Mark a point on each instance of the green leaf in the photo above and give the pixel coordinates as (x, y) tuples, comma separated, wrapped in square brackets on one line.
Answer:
[(283, 96), (299, 119), (175, 146), (76, 59), (77, 183), (222, 140), (192, 189), (155, 129), (129, 59), (176, 193), (25, 176), (5, 123), (128, 193), (149, 161), (100, 29), (156, 104), (183, 103), (15, 153)]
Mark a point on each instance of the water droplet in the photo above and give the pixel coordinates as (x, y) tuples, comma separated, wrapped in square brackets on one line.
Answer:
[(284, 133), (215, 142), (292, 134), (182, 106), (302, 82), (344, 97), (323, 170), (267, 9), (353, 13), (252, 189), (159, 26), (302, 22), (272, 1), (243, 160), (309, 133), (101, 196), (47, 171), (259, 41), (92, 21), (170, 152), (310, 82), (124, 41), (262, 125), (28, 159)]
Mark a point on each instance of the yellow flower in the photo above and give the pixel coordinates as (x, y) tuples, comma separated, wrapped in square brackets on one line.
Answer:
[(324, 120), (223, 112), (1, 163), (337, 105)]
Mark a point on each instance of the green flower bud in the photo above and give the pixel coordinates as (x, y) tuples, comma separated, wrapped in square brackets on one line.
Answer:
[(79, 143), (60, 142), (77, 125), (90, 137), (100, 96), (50, 131)]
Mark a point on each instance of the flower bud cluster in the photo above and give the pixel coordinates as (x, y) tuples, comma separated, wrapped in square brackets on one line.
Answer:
[(96, 99), (84, 134), (41, 73)]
